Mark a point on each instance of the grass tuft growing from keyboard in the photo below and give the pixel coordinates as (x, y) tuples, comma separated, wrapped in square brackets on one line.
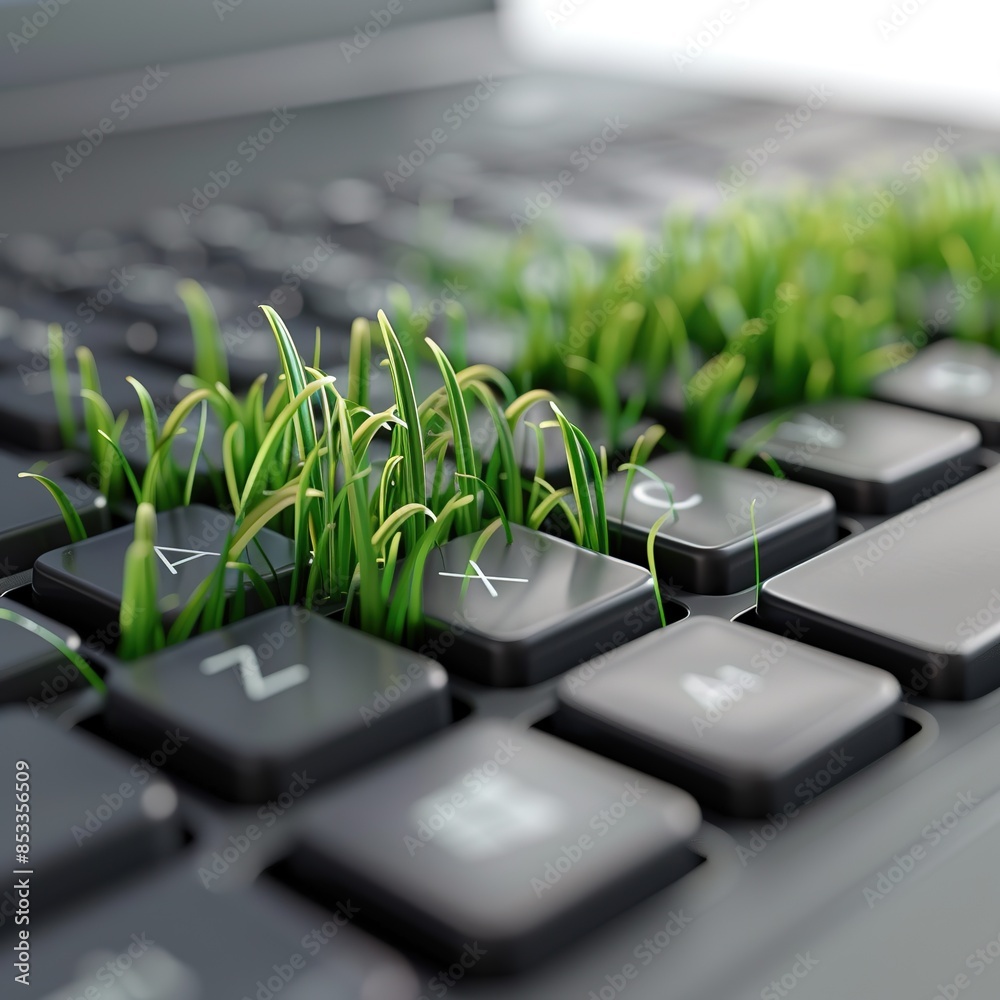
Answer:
[(298, 458), (768, 302)]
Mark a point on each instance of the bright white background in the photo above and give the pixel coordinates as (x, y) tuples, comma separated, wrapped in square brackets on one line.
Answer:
[(939, 59)]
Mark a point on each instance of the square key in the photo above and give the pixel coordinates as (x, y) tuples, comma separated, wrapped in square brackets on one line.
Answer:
[(956, 378), (707, 546), (875, 458), (487, 833), (745, 721), (28, 414), (166, 936), (30, 522), (32, 669), (917, 594), (532, 609), (82, 583), (94, 814), (283, 693)]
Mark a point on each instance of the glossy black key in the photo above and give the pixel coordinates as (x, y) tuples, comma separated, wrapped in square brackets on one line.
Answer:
[(510, 838), (166, 937), (283, 692), (151, 294), (954, 377), (556, 466), (873, 457), (31, 669), (28, 410), (665, 401), (82, 583), (30, 522), (745, 721), (209, 484), (531, 609), (707, 546), (251, 349), (94, 813), (917, 595)]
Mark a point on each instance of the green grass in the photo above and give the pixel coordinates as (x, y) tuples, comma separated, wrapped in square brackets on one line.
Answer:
[(296, 458), (766, 304), (86, 670)]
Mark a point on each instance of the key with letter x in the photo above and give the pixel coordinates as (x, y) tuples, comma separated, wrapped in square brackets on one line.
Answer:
[(518, 614), (487, 581)]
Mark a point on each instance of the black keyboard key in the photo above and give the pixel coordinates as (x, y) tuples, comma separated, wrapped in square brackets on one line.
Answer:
[(94, 814), (82, 583), (283, 692), (873, 457), (28, 409), (151, 294), (168, 938), (30, 521), (209, 485), (532, 609), (954, 377), (526, 451), (251, 349), (743, 720), (512, 839), (707, 546), (666, 403), (32, 669), (917, 595)]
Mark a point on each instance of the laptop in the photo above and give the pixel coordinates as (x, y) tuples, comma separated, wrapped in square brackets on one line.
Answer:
[(225, 821)]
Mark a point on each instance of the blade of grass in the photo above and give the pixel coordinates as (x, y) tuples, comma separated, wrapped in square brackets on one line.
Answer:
[(74, 524), (86, 670)]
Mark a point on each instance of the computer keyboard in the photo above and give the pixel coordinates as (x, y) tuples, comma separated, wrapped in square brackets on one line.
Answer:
[(571, 801)]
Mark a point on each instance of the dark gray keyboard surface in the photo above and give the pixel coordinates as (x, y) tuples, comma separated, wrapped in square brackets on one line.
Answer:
[(870, 876)]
